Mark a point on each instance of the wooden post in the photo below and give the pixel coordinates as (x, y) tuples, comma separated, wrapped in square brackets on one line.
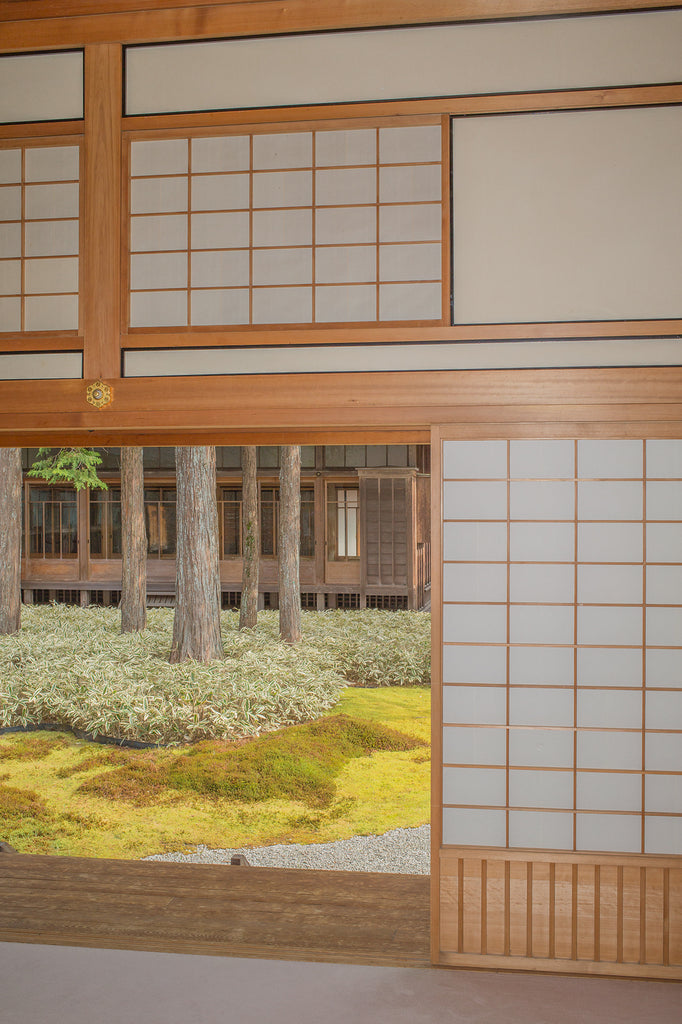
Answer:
[(248, 609), (133, 542), (10, 540), (196, 626), (289, 543), (101, 252)]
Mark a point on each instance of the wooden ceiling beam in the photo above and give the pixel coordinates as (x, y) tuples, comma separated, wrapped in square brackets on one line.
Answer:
[(62, 23)]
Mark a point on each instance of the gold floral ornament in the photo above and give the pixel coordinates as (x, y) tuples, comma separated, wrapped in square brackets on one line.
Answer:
[(99, 394)]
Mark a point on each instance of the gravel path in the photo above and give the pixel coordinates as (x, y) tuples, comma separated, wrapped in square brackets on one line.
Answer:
[(402, 851)]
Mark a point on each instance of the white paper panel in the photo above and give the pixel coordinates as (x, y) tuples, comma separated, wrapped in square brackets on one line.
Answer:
[(51, 201), (231, 153), (10, 166), (338, 148), (158, 270), (282, 305), (10, 240), (220, 306), (618, 833), (537, 221), (10, 277), (51, 275), (410, 62), (470, 826), (51, 238), (341, 303), (541, 830), (41, 87), (215, 269), (10, 203), (345, 263), (165, 309), (609, 791), (51, 313), (220, 192), (158, 156), (52, 163), (10, 315), (282, 266), (540, 789), (41, 366), (410, 301), (346, 359)]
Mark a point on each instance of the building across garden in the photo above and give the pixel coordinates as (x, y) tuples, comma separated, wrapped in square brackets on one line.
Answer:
[(365, 529)]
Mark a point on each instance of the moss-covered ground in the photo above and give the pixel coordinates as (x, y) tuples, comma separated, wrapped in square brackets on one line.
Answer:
[(361, 768)]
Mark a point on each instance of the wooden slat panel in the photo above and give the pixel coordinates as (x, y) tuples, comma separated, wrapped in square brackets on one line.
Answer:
[(563, 910), (567, 912), (541, 910), (631, 952), (653, 916), (608, 912), (472, 906), (495, 900), (449, 912), (675, 916), (585, 910), (518, 926)]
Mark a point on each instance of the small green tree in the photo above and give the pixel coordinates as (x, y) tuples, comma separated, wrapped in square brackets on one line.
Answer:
[(77, 466)]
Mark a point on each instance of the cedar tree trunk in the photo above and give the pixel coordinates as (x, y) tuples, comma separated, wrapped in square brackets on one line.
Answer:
[(196, 626), (248, 608), (134, 542), (289, 543), (10, 540)]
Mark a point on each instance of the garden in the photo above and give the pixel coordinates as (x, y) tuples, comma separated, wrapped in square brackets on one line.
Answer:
[(110, 751)]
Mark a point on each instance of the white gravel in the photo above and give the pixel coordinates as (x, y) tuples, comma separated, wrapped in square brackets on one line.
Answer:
[(401, 851)]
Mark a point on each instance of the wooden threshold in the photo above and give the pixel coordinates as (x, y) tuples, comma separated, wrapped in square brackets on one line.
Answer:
[(270, 913)]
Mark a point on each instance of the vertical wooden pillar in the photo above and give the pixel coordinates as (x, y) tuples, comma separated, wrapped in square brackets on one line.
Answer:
[(101, 255)]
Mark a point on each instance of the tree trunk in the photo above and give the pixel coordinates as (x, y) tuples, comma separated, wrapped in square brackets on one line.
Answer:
[(134, 542), (248, 608), (289, 543), (196, 627), (10, 540)]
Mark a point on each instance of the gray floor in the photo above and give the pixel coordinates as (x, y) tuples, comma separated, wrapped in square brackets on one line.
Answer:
[(64, 985)]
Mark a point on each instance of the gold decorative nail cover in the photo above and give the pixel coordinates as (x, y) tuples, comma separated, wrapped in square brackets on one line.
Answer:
[(99, 394)]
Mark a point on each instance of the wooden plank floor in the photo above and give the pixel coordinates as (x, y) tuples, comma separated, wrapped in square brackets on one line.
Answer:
[(333, 916)]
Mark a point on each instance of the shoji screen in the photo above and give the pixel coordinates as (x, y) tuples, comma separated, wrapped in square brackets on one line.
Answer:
[(562, 699), (39, 237), (306, 227)]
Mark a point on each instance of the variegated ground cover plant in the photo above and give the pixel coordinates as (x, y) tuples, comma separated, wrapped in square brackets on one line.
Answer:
[(72, 667)]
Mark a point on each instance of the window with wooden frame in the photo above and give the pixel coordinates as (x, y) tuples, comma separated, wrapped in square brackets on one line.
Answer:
[(307, 227), (52, 522), (39, 235), (159, 513), (105, 523), (230, 520), (342, 522), (269, 521)]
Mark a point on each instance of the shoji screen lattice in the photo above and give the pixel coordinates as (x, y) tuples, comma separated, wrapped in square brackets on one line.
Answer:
[(562, 657), (39, 237), (562, 705), (304, 227)]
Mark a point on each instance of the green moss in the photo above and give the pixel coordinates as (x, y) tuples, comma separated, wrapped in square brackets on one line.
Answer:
[(18, 803), (299, 763), (33, 746), (373, 792)]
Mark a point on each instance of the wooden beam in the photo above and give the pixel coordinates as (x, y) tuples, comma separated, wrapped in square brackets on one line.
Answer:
[(101, 228), (609, 402), (78, 22)]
